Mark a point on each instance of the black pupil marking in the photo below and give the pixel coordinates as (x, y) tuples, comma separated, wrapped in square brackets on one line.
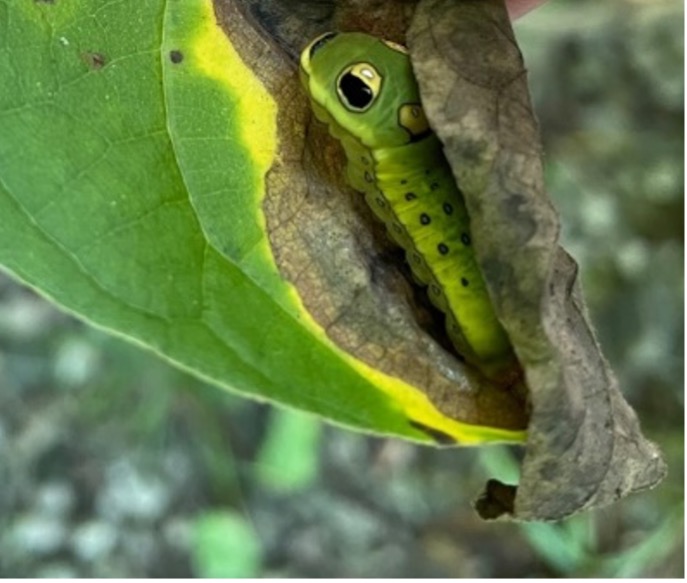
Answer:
[(424, 219), (465, 238), (410, 196), (448, 209), (355, 91), (443, 249), (464, 281)]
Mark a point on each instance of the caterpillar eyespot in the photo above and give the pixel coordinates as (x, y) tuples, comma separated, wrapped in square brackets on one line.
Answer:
[(358, 86), (364, 89)]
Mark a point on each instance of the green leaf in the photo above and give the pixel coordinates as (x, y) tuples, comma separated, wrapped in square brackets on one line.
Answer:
[(652, 550), (560, 545), (135, 146), (225, 546), (288, 458)]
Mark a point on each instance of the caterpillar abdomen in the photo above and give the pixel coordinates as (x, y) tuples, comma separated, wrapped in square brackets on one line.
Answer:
[(428, 218)]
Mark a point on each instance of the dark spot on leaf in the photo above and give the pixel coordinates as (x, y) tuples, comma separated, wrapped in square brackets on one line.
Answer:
[(435, 434), (410, 196), (443, 248), (448, 209), (465, 238), (464, 282), (424, 219), (94, 60), (176, 56)]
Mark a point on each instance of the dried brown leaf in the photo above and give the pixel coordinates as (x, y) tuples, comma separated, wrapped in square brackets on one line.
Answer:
[(585, 448)]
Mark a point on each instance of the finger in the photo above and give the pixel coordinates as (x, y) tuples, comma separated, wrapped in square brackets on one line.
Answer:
[(516, 8)]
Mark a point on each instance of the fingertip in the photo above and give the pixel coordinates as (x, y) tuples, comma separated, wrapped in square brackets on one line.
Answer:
[(517, 8)]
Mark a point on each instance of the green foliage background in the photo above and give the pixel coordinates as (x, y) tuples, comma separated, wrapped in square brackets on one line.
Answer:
[(114, 464)]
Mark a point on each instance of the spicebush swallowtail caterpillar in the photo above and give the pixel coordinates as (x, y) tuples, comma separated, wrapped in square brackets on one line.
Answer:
[(364, 89)]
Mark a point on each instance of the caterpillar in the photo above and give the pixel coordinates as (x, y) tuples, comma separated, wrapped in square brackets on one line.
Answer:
[(364, 89)]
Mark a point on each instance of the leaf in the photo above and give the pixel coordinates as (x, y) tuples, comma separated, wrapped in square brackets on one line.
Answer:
[(585, 448), (288, 458), (225, 546), (327, 244), (153, 181)]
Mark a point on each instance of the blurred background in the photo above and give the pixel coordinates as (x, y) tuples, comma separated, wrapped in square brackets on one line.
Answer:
[(113, 463)]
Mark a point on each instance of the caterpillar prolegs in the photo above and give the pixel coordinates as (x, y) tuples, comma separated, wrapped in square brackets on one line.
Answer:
[(364, 89)]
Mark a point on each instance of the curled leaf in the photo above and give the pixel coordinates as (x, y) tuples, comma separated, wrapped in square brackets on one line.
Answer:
[(169, 185), (346, 273), (584, 448)]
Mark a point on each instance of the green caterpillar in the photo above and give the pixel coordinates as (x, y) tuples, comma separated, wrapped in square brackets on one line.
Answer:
[(364, 89)]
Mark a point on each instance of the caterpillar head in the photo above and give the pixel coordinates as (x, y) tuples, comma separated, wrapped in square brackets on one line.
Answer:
[(366, 85)]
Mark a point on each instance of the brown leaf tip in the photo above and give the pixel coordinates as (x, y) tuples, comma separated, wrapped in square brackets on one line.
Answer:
[(497, 500)]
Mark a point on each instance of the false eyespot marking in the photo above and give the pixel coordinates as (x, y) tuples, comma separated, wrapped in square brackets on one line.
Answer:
[(411, 116), (358, 86), (398, 163)]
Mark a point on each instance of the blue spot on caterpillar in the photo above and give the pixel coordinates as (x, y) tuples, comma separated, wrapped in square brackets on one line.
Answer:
[(364, 89)]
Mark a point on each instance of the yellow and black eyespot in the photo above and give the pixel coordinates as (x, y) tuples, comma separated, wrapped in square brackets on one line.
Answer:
[(358, 86), (411, 117)]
